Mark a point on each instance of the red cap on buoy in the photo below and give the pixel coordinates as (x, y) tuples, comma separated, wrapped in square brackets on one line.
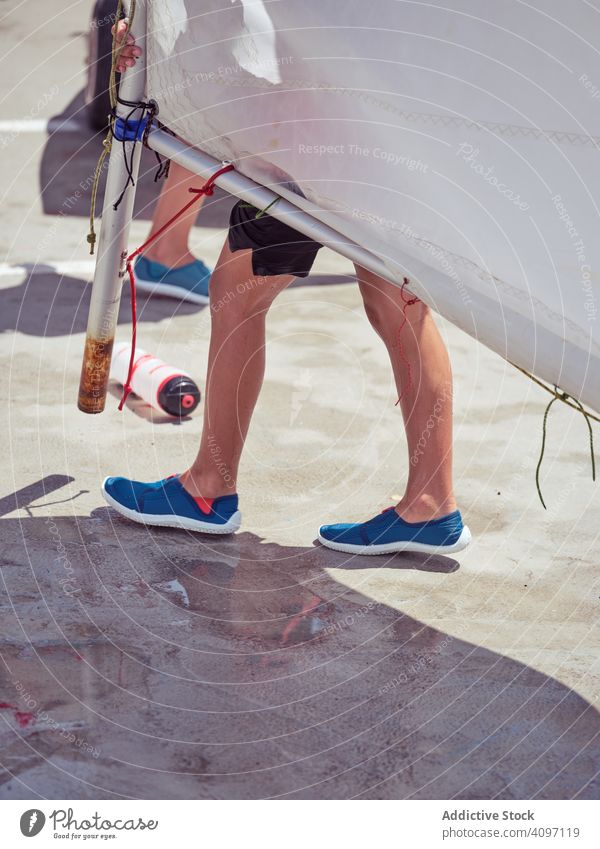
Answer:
[(178, 395)]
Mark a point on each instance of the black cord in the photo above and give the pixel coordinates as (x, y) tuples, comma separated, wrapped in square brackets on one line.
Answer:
[(147, 112)]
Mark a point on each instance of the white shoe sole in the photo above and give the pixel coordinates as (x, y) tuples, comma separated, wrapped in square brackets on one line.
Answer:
[(396, 547), (181, 522), (169, 291)]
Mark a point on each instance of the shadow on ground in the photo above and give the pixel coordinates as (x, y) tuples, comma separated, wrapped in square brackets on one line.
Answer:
[(159, 664), (49, 304), (68, 164)]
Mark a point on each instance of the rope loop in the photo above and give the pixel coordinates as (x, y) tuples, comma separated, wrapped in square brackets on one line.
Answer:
[(406, 302), (206, 189)]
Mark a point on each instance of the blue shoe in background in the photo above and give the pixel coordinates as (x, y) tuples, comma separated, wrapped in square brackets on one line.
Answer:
[(186, 283), (167, 504), (387, 533)]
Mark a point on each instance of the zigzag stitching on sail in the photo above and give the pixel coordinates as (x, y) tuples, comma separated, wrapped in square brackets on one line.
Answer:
[(510, 130), (491, 280), (449, 264)]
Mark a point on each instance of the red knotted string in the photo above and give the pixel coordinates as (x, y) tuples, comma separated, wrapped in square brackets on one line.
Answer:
[(405, 303), (207, 189)]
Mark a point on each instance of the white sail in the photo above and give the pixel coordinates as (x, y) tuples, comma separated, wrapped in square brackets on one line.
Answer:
[(459, 141)]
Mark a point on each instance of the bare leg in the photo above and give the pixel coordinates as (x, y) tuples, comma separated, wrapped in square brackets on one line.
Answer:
[(171, 248), (426, 401), (239, 302)]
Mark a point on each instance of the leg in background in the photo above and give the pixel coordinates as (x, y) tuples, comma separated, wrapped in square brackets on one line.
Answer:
[(239, 302), (171, 249), (426, 400)]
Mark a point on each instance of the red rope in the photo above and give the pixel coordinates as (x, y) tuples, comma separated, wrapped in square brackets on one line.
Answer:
[(405, 303), (207, 189)]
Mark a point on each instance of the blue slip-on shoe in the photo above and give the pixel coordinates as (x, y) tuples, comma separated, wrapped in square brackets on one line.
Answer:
[(187, 282), (167, 504), (387, 533)]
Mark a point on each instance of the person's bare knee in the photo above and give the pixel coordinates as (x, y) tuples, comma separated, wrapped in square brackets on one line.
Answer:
[(236, 292), (387, 306)]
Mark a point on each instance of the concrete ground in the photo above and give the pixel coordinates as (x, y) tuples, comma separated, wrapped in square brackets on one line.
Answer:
[(158, 664)]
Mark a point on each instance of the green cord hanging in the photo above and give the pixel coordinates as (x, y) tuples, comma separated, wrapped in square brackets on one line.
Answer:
[(561, 396)]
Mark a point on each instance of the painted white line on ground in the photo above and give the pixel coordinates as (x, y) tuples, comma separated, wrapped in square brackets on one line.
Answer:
[(41, 125), (207, 242), (82, 268)]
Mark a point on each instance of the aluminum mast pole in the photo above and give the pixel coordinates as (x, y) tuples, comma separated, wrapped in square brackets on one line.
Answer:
[(246, 189), (112, 244)]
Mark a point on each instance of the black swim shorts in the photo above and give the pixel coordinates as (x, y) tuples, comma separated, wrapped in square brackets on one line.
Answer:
[(276, 247)]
